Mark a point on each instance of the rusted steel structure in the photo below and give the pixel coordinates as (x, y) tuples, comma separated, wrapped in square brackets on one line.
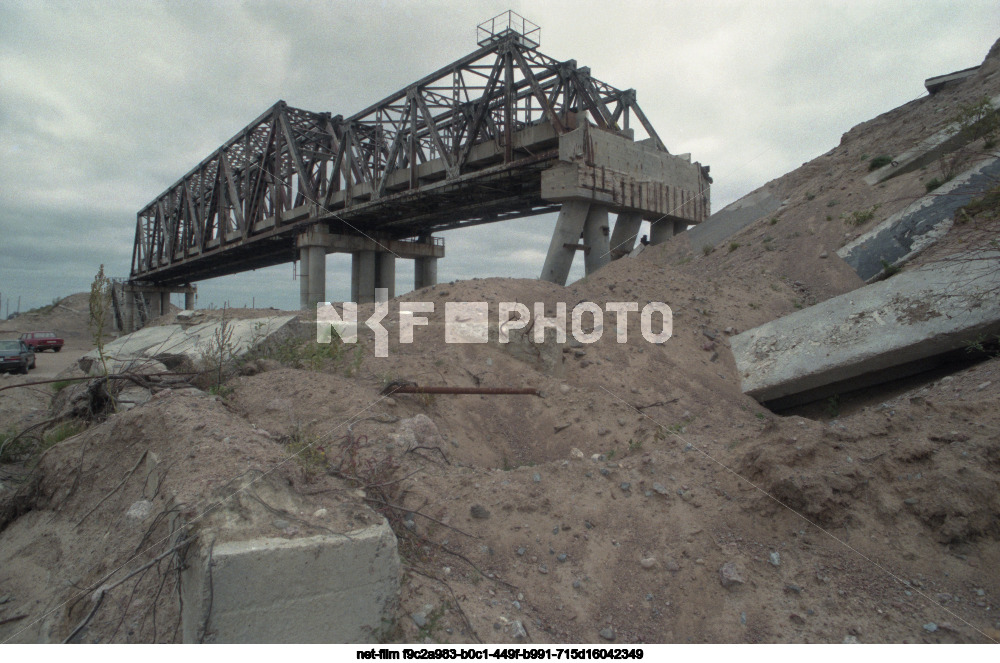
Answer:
[(466, 145)]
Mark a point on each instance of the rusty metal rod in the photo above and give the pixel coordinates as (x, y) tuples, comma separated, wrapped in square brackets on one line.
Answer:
[(494, 391)]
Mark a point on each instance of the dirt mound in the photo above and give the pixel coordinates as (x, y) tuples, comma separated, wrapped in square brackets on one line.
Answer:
[(641, 497)]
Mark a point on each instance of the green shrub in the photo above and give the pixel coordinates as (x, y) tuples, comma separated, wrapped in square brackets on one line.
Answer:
[(733, 246), (879, 161)]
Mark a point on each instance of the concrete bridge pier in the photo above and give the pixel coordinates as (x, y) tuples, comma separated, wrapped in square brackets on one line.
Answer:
[(303, 278), (577, 219), (385, 272), (597, 251), (363, 277), (625, 233), (189, 301), (663, 229), (565, 241), (312, 255), (425, 271)]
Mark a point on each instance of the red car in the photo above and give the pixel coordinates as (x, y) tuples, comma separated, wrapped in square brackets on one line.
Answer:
[(42, 340)]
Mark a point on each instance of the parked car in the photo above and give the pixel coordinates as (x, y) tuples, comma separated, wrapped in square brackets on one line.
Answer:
[(43, 340), (16, 356)]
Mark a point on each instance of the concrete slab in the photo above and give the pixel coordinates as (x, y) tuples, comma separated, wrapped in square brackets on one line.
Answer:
[(905, 234), (171, 344), (927, 151), (732, 218), (877, 333), (319, 589)]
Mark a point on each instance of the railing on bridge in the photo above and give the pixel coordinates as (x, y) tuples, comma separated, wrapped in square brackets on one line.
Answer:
[(397, 166)]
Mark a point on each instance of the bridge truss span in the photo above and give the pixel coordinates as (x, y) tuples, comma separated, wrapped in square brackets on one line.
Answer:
[(470, 143)]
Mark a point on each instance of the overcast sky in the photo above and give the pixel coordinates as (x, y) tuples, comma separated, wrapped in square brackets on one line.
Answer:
[(103, 105)]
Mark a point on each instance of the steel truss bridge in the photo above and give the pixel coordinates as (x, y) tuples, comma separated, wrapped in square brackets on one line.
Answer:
[(466, 145)]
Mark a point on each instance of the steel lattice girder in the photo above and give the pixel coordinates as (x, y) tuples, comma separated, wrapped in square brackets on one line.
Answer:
[(461, 146)]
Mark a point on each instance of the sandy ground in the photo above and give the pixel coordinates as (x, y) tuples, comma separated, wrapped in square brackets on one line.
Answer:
[(640, 498)]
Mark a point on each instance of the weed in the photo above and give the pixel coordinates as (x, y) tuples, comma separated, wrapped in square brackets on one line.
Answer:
[(879, 161), (733, 246), (754, 305), (888, 269), (307, 451), (860, 217), (221, 390), (829, 217), (634, 445), (676, 429), (611, 454), (61, 432), (933, 183), (774, 220), (683, 261), (810, 196), (978, 119), (833, 406), (833, 203), (797, 304), (769, 247), (706, 249), (760, 415), (62, 384)]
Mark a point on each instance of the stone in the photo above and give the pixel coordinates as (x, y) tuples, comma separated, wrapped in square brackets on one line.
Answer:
[(607, 633), (796, 619), (517, 629), (521, 551), (543, 569), (851, 640), (564, 388), (659, 488), (419, 618), (479, 511), (536, 477), (139, 511), (672, 566), (930, 627), (774, 558), (730, 575), (647, 562)]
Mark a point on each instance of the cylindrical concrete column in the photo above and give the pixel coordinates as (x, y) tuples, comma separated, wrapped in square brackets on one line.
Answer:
[(365, 280), (595, 238), (188, 301), (304, 278), (569, 226), (424, 272), (385, 272), (317, 276), (679, 227)]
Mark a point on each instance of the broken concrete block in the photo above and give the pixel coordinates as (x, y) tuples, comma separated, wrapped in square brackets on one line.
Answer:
[(318, 589), (908, 232), (877, 333)]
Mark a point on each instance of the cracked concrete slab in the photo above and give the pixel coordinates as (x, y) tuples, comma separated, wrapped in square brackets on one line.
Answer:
[(877, 333)]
